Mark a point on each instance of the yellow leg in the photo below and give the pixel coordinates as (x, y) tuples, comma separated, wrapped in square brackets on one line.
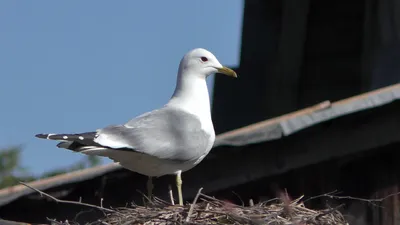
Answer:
[(150, 188), (179, 186)]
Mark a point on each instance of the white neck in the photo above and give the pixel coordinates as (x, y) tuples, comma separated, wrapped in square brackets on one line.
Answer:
[(191, 95)]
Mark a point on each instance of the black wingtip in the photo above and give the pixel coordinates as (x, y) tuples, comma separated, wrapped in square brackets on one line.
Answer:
[(44, 136)]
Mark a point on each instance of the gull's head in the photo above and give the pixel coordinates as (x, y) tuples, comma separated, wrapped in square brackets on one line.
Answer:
[(203, 63)]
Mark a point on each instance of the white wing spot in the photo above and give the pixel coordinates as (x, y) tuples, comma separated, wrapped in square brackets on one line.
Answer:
[(65, 137), (81, 138)]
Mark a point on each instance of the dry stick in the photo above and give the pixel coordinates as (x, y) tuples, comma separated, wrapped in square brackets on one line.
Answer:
[(371, 201), (160, 201), (364, 199), (53, 221), (237, 195), (171, 195), (66, 201), (212, 198), (207, 206), (193, 204), (102, 222), (319, 196), (326, 213), (251, 203), (144, 196)]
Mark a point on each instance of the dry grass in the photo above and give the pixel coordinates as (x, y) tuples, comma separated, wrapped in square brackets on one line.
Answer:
[(209, 210), (213, 211)]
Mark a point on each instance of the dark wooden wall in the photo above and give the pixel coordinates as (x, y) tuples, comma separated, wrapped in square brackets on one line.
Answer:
[(296, 54), (331, 68), (369, 176)]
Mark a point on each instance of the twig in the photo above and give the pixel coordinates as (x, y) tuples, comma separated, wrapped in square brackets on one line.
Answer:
[(159, 201), (270, 200), (82, 212), (53, 221), (66, 201), (319, 196), (171, 196), (102, 222), (193, 204), (251, 202), (371, 201), (238, 196), (214, 200), (145, 197), (364, 199), (327, 212)]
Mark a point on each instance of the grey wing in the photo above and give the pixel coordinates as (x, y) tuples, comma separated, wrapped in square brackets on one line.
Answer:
[(166, 133)]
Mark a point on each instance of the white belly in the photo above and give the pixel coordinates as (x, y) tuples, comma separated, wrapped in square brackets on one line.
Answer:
[(152, 166)]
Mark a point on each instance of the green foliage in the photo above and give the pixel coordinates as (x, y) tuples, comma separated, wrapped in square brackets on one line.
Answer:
[(12, 172)]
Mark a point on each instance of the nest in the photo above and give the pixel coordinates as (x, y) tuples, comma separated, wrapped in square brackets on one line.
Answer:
[(209, 210)]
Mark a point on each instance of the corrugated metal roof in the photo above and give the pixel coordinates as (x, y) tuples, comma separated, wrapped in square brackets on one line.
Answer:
[(267, 130)]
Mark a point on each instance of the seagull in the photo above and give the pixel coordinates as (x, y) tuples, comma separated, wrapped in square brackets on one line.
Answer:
[(166, 141)]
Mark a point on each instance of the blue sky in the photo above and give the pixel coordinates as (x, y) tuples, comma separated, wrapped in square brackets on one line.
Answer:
[(75, 66)]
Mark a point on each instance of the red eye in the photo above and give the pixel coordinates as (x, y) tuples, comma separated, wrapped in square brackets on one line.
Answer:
[(204, 59)]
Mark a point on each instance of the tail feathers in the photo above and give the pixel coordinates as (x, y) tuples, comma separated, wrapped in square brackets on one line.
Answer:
[(68, 137), (80, 142)]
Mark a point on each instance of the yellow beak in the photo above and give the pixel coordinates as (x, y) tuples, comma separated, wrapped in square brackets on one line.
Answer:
[(227, 71)]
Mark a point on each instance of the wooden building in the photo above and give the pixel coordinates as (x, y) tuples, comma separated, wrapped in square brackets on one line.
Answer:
[(316, 110), (295, 54)]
